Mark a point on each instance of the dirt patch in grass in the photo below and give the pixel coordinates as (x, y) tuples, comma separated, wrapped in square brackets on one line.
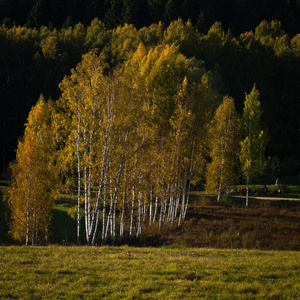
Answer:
[(265, 226)]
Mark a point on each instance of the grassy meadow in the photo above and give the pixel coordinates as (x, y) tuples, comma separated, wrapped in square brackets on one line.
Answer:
[(57, 272)]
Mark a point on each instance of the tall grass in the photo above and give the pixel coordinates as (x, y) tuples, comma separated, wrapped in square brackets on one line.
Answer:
[(56, 272)]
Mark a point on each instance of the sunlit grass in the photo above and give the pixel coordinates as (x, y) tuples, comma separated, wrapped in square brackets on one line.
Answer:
[(57, 272), (287, 190)]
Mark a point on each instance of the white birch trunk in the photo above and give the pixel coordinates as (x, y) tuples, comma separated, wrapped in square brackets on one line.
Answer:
[(122, 220), (140, 201), (27, 210), (113, 234), (190, 179), (132, 214), (140, 211), (170, 209), (247, 191), (161, 215), (145, 208), (155, 209), (221, 174), (79, 178), (181, 214), (33, 240), (104, 218), (151, 207)]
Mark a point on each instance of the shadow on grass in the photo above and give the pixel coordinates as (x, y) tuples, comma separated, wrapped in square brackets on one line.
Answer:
[(63, 228), (4, 238)]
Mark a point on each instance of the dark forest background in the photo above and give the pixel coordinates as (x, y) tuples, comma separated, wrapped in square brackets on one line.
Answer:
[(236, 15), (240, 42)]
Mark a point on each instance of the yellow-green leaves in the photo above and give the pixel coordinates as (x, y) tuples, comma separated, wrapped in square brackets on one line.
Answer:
[(253, 144), (34, 183), (223, 142)]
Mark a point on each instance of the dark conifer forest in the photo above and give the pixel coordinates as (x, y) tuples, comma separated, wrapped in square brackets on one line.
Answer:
[(239, 43)]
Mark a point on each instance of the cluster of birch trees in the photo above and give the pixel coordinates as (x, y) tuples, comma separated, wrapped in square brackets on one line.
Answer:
[(135, 137)]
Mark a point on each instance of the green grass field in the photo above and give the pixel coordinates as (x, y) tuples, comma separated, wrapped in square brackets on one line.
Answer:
[(56, 272)]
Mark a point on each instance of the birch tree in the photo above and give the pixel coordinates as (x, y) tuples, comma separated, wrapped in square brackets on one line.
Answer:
[(253, 143), (223, 141), (99, 128), (34, 184)]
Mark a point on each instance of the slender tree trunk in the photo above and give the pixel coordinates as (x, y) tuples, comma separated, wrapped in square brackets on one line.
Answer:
[(170, 210), (27, 226), (221, 173), (151, 207), (220, 185), (140, 210), (173, 211), (162, 214), (122, 220), (190, 179), (27, 210), (177, 200), (89, 206), (182, 203), (145, 207), (33, 237), (107, 227), (122, 223), (85, 198), (132, 215), (96, 226), (79, 180), (188, 194), (140, 201), (155, 209), (247, 191), (104, 218), (113, 239)]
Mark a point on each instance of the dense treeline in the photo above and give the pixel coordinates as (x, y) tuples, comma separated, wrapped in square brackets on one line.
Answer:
[(34, 61), (238, 16)]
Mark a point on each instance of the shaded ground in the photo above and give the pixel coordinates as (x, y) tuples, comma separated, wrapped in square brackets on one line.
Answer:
[(265, 225)]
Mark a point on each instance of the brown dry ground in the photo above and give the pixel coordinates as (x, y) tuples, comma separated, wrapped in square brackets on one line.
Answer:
[(264, 225)]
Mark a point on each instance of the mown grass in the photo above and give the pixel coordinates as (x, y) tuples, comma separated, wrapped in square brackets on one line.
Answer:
[(56, 272)]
